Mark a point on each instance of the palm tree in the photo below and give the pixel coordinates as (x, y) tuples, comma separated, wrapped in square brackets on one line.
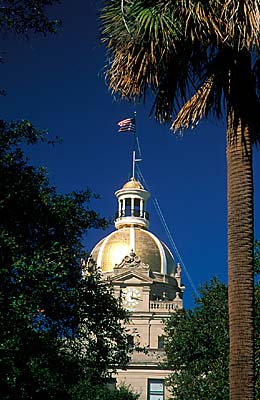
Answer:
[(201, 59)]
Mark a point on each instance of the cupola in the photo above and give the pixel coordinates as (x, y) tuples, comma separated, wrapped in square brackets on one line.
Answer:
[(132, 198)]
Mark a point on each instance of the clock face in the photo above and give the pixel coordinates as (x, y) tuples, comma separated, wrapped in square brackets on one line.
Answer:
[(131, 297)]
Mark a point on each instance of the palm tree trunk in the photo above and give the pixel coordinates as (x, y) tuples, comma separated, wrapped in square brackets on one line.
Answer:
[(240, 259)]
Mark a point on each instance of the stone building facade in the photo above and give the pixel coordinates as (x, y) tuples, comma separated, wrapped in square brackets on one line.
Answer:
[(143, 271)]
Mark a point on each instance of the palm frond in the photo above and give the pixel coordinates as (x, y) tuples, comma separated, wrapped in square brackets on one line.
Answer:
[(174, 80), (195, 109), (132, 70), (241, 23), (171, 47), (231, 22), (137, 53)]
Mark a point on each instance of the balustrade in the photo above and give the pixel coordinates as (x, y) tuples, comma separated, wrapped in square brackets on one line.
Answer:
[(132, 213), (163, 306)]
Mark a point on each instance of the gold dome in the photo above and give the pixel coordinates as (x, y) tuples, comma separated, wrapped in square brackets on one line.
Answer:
[(114, 247)]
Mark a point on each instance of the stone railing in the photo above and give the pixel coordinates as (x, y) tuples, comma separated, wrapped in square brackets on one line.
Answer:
[(165, 306)]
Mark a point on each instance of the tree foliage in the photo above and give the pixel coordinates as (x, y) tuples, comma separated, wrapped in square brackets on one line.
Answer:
[(57, 325), (27, 16), (85, 391), (197, 344), (197, 347)]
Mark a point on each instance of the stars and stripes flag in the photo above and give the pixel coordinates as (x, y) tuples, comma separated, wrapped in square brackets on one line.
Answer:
[(126, 125)]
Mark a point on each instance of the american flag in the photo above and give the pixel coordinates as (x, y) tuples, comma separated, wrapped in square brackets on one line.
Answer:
[(126, 125)]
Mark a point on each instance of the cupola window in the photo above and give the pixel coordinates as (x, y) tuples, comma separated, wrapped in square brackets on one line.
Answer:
[(127, 207), (137, 211), (121, 208)]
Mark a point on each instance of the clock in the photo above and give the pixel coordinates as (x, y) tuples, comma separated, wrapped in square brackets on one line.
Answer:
[(131, 297)]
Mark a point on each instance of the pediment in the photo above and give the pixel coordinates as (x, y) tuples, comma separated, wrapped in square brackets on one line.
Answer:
[(131, 277), (131, 261)]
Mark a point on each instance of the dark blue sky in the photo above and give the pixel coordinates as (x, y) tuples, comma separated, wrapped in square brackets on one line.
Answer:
[(57, 82)]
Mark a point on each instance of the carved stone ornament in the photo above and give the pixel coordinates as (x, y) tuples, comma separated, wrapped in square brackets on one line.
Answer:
[(131, 261)]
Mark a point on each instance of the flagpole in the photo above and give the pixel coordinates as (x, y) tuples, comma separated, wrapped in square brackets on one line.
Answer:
[(129, 125), (135, 138), (134, 146), (133, 165)]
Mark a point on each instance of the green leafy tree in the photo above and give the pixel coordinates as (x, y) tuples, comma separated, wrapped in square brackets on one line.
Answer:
[(197, 347), (197, 344), (57, 325), (200, 59), (23, 17), (85, 391), (26, 17)]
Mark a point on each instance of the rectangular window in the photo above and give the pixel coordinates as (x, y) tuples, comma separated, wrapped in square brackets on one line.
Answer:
[(130, 342), (121, 209), (137, 208), (155, 389), (161, 342), (127, 207)]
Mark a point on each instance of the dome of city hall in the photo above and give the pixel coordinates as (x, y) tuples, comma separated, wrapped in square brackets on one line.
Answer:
[(132, 234)]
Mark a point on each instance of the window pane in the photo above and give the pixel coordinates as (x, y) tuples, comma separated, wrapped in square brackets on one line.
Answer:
[(156, 397), (161, 342), (136, 203), (130, 341), (156, 387)]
